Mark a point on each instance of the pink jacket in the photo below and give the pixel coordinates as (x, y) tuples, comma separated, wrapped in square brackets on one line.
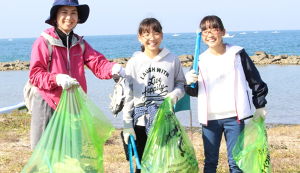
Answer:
[(45, 81)]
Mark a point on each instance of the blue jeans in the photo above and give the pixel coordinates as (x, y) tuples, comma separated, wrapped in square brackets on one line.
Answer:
[(212, 136)]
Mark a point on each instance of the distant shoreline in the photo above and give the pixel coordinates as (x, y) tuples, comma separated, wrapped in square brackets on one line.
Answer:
[(259, 58)]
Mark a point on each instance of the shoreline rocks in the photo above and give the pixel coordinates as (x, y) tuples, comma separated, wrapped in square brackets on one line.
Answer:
[(259, 58)]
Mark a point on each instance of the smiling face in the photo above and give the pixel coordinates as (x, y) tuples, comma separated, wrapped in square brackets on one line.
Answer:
[(150, 36), (151, 40), (67, 18), (213, 37)]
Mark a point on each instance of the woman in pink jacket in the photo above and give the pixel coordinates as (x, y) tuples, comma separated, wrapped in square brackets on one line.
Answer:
[(57, 62)]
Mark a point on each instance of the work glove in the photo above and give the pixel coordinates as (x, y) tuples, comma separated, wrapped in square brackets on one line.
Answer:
[(173, 97), (260, 112), (65, 81), (127, 132), (191, 77), (117, 69)]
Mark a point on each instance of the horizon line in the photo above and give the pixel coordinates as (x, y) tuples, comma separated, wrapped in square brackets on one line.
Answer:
[(8, 38)]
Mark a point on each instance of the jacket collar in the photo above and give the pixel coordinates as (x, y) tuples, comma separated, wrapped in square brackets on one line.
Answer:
[(64, 37), (54, 39)]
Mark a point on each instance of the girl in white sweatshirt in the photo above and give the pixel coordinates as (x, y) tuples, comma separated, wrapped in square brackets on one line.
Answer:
[(152, 75), (229, 90)]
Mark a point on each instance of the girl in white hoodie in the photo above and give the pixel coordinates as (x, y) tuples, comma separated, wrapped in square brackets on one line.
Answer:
[(226, 82), (152, 75)]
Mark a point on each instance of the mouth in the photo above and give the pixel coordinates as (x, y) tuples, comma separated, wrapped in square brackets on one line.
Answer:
[(211, 40), (152, 44), (68, 23)]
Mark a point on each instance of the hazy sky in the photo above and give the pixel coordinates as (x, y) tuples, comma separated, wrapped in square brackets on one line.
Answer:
[(25, 18)]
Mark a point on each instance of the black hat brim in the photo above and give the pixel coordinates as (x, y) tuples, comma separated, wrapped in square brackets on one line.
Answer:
[(83, 13)]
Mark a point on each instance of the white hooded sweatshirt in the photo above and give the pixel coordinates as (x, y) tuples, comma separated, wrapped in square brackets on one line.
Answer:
[(223, 89)]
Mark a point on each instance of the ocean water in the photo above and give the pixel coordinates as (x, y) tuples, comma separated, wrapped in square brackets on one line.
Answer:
[(283, 81), (115, 46), (283, 98)]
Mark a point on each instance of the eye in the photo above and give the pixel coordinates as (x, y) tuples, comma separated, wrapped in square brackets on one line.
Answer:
[(146, 34), (156, 34)]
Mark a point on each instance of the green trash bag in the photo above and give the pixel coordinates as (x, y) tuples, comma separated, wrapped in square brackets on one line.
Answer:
[(168, 148), (251, 151), (74, 138)]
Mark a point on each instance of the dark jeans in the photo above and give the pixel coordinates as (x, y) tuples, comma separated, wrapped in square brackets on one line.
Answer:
[(141, 139), (212, 136)]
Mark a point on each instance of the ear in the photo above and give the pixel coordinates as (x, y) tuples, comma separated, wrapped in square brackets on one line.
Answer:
[(223, 32)]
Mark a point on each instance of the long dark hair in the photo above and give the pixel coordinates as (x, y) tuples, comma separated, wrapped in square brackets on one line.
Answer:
[(211, 21), (148, 25)]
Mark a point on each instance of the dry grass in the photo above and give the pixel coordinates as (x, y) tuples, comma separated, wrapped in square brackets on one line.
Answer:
[(284, 141)]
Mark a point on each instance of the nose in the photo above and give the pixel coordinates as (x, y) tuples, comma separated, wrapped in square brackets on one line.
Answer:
[(151, 37), (68, 16)]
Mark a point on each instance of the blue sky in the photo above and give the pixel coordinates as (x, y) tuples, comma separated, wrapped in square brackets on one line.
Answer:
[(21, 18)]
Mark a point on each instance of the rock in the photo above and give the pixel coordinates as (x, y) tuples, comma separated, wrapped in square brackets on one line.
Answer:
[(258, 53), (259, 58), (16, 65)]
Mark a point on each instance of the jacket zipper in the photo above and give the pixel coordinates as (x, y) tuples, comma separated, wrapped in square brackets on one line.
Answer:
[(68, 56)]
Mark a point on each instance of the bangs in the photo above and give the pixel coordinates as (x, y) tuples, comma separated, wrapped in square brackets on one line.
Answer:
[(149, 26), (210, 22)]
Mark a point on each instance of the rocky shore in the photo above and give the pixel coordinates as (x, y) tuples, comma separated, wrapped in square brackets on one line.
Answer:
[(259, 58)]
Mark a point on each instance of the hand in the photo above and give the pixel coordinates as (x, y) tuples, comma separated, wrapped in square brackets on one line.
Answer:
[(173, 97), (65, 81), (127, 132), (260, 112), (117, 69), (191, 77)]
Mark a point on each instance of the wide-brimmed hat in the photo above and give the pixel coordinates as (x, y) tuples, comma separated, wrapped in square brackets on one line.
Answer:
[(83, 10)]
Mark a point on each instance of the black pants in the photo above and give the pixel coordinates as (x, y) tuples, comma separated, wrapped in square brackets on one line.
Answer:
[(141, 139)]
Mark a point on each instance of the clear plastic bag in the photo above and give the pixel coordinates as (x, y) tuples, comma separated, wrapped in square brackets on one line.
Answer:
[(168, 148), (74, 138)]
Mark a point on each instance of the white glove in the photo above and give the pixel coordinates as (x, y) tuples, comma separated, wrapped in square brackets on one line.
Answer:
[(117, 69), (65, 81), (127, 132), (191, 77), (173, 97), (260, 112)]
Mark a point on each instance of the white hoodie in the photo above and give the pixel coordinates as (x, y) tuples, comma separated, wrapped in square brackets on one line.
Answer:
[(223, 89)]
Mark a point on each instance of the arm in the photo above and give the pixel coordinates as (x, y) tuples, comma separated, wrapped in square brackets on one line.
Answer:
[(191, 86), (97, 63), (39, 74), (128, 103), (179, 81), (192, 91), (257, 85)]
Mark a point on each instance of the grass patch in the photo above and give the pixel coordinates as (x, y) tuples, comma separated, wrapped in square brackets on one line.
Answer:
[(15, 150)]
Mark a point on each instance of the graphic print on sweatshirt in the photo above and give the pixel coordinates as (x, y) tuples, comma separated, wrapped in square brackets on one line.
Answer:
[(156, 87)]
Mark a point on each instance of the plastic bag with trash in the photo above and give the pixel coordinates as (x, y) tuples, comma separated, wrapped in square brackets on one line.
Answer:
[(168, 148), (74, 138), (251, 151)]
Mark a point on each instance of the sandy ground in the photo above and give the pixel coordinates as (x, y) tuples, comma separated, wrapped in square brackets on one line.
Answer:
[(284, 142)]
